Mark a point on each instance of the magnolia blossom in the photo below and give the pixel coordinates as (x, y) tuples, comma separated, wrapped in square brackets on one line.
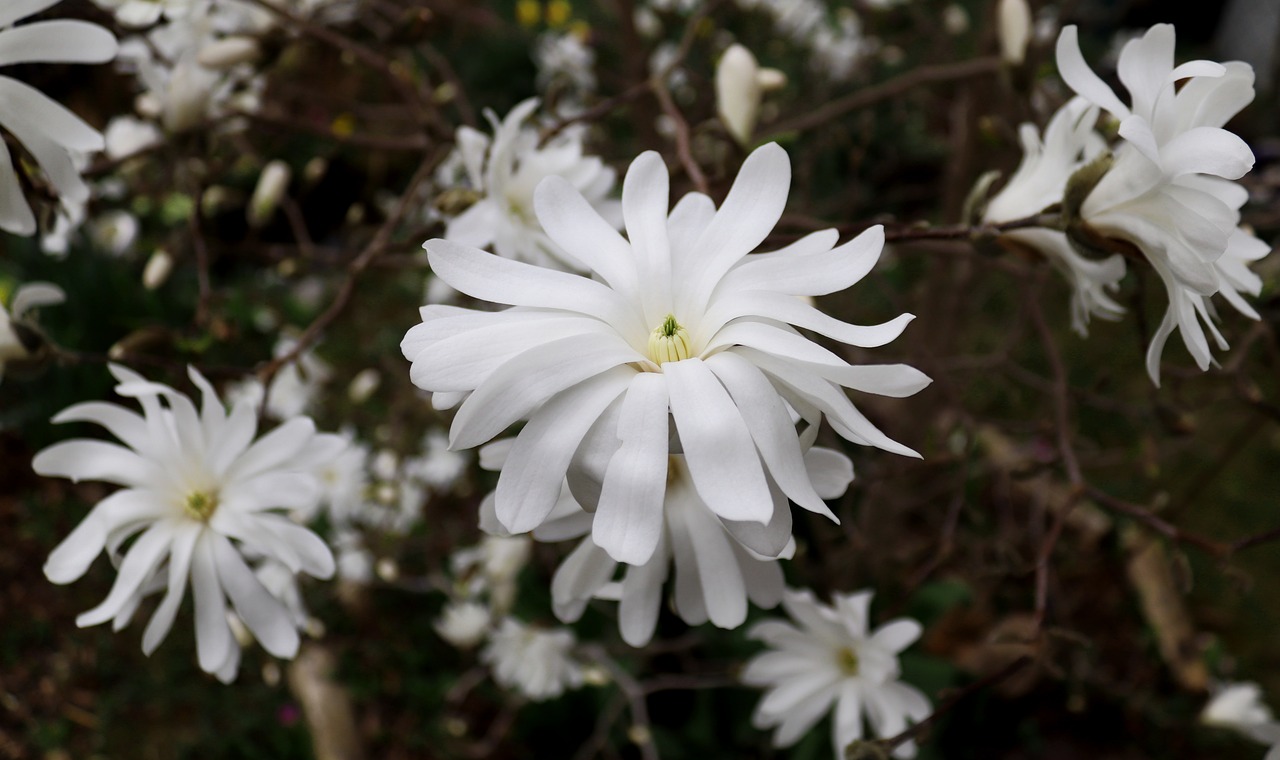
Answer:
[(718, 565), (1039, 182), (1239, 706), (830, 658), (1169, 191), (506, 169), (438, 467), (679, 324), (463, 623), (199, 493), (181, 92), (15, 336), (293, 389), (53, 136), (537, 663)]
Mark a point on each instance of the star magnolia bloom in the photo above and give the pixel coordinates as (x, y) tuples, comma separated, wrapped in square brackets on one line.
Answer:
[(1069, 143), (537, 663), (830, 658), (681, 325), (199, 494), (506, 170), (718, 565), (51, 134), (1169, 191)]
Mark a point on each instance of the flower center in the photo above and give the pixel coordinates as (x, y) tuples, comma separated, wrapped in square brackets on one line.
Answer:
[(669, 342), (848, 661), (201, 505)]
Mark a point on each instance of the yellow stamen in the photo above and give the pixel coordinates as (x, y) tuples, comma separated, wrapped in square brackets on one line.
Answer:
[(201, 505), (848, 661), (669, 342)]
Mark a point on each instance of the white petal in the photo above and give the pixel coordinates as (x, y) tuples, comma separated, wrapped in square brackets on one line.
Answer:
[(642, 598), (34, 295), (723, 590), (213, 636), (518, 387), (492, 278), (145, 555), (802, 718), (770, 426), (846, 727), (534, 472), (897, 635), (475, 226), (59, 41), (15, 10), (184, 542), (645, 201), (85, 459), (127, 509), (688, 219), (753, 206), (15, 213), (810, 272), (722, 459), (629, 517), (792, 310), (261, 612), (830, 471), (1207, 150), (1079, 77), (273, 450), (124, 424), (578, 228), (577, 579)]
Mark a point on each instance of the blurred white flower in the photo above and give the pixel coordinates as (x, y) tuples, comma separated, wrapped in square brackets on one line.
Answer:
[(680, 323), (438, 467), (1070, 142), (537, 663), (1239, 706), (159, 267), (199, 493), (127, 135), (463, 623), (506, 169), (830, 658), (114, 232), (13, 345), (140, 13), (564, 59), (344, 482), (294, 388), (1169, 191), (273, 182), (492, 568), (54, 136)]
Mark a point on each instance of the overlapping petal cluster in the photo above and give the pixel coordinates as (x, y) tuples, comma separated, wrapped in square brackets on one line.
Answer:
[(1170, 191), (200, 495), (506, 169), (715, 566), (683, 343), (538, 663), (830, 657), (1069, 143), (55, 137)]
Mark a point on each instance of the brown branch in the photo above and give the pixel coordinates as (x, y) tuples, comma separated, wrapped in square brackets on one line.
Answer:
[(949, 72)]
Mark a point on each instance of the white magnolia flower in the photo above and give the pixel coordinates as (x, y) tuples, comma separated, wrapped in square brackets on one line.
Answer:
[(54, 136), (199, 494), (1169, 191), (15, 339), (565, 58), (114, 232), (681, 324), (1038, 183), (127, 135), (718, 565), (463, 623), (344, 482), (537, 663), (506, 169), (1239, 706), (830, 658), (492, 567)]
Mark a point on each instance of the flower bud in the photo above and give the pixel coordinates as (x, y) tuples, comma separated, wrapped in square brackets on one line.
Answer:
[(158, 268), (272, 184), (363, 385), (1013, 19), (228, 52), (738, 92)]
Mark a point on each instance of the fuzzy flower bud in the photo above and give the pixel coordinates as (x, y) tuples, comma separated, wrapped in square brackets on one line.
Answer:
[(1013, 19), (272, 184)]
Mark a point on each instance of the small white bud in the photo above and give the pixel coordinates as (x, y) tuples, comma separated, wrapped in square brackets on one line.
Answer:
[(1013, 19), (158, 268), (738, 92), (463, 624), (228, 52), (272, 184), (955, 19), (363, 385), (770, 80)]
